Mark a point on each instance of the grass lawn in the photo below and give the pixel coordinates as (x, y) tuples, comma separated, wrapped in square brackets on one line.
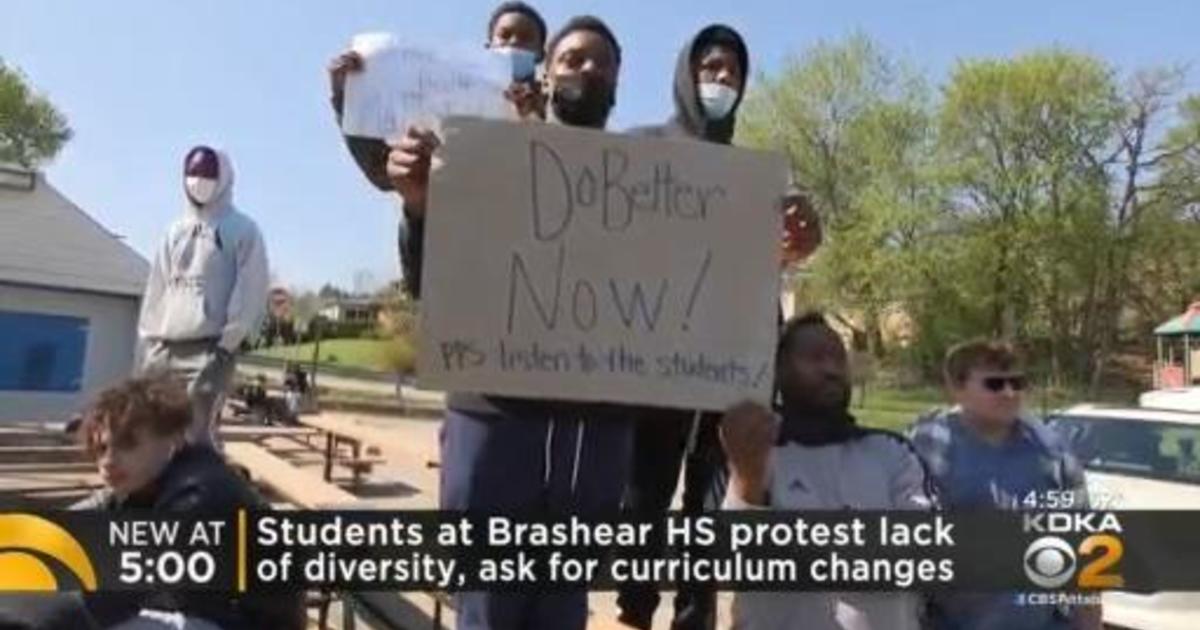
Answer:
[(359, 353), (883, 407), (896, 409)]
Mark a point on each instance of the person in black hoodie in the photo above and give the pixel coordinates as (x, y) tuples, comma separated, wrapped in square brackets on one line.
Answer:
[(135, 432), (710, 80), (503, 455)]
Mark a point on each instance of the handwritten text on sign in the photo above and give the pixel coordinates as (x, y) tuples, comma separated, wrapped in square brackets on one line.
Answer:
[(401, 84), (574, 264)]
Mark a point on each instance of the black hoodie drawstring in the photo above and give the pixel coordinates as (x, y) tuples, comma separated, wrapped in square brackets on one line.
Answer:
[(549, 463), (548, 454), (578, 453)]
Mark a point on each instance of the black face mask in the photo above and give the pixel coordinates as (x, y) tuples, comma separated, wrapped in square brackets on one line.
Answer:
[(583, 103)]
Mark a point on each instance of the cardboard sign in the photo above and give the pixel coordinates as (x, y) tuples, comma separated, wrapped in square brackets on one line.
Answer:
[(574, 264)]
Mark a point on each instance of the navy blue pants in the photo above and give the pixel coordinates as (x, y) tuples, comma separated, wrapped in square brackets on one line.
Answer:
[(557, 465), (660, 447)]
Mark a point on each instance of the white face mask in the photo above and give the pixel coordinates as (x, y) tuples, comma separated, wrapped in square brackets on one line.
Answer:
[(200, 189), (522, 62), (717, 99)]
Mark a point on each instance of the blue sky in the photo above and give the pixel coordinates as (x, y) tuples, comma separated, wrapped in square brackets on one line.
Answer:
[(141, 81)]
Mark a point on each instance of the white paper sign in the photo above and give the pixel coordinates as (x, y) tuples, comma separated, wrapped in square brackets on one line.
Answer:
[(579, 265), (402, 84)]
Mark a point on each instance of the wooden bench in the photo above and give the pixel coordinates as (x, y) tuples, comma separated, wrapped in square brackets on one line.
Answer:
[(29, 482), (259, 432), (305, 490), (296, 485), (596, 622), (47, 434), (381, 609), (17, 468), (361, 465), (43, 454)]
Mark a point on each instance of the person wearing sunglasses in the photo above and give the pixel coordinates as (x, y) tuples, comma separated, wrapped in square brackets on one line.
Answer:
[(985, 452)]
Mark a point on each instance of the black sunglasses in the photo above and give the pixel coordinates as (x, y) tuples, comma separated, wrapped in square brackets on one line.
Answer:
[(997, 383)]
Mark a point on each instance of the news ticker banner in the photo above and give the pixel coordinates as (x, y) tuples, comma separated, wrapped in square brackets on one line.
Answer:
[(760, 550)]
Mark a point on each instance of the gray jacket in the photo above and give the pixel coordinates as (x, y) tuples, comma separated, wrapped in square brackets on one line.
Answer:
[(875, 471), (209, 279)]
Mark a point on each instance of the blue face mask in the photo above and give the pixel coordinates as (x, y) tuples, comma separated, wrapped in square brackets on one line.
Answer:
[(523, 62)]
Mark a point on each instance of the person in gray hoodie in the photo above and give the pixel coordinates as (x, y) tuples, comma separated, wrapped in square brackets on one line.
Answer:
[(810, 455), (207, 290)]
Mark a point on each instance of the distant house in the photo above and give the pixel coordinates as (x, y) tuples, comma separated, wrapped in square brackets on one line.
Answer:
[(69, 295), (352, 310), (280, 303)]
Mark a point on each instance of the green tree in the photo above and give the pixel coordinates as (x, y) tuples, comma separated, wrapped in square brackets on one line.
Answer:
[(858, 128), (398, 326), (1028, 143), (330, 291), (32, 131), (1071, 186), (1139, 200), (1167, 278), (1044, 198)]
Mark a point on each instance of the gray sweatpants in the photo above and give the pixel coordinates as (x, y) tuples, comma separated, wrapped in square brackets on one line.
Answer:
[(208, 375)]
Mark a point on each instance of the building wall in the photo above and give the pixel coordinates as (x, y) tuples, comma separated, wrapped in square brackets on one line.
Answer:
[(112, 334)]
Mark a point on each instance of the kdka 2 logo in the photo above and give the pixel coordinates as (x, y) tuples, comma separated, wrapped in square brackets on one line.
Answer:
[(1051, 562)]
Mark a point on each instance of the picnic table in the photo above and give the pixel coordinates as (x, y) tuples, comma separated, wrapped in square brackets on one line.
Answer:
[(378, 444), (297, 485)]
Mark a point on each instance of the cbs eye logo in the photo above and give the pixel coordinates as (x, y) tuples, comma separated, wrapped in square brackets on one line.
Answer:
[(1051, 562), (22, 538)]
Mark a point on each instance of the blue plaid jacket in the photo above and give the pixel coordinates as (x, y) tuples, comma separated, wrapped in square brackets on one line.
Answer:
[(932, 434)]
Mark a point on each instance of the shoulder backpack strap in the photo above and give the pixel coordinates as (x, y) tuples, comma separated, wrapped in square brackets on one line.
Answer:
[(1052, 449), (927, 482), (930, 438)]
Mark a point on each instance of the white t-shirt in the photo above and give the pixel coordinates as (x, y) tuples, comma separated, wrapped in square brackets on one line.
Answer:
[(874, 472)]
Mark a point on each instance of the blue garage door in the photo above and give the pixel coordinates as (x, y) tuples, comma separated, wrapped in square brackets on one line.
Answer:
[(41, 353)]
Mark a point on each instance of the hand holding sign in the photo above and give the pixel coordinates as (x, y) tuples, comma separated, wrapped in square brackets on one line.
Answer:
[(748, 431), (528, 98), (342, 65), (408, 166)]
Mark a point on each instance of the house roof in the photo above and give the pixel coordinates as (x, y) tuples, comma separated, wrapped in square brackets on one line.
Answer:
[(46, 240), (1185, 324)]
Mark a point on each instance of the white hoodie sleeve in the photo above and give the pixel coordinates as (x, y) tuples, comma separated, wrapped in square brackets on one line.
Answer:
[(248, 301), (150, 320)]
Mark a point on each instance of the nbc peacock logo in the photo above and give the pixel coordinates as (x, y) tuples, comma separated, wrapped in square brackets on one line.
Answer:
[(26, 541)]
